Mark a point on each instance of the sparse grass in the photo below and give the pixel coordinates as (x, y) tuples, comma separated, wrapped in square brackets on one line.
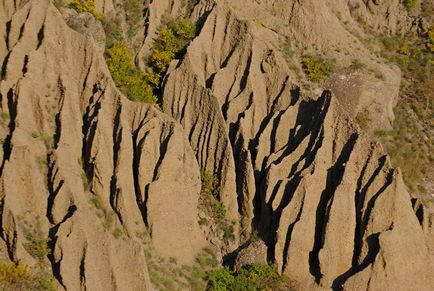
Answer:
[(287, 50), (18, 276), (363, 118), (133, 12), (168, 274), (411, 142), (58, 3), (213, 208), (357, 65), (316, 68), (103, 213)]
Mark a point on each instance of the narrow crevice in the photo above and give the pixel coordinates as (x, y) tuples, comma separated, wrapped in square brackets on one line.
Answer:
[(137, 154), (117, 140), (360, 196), (7, 145), (334, 178), (52, 234), (163, 151), (57, 119), (26, 61), (83, 269), (41, 33), (90, 123), (289, 235), (52, 189), (371, 240), (4, 66), (8, 33)]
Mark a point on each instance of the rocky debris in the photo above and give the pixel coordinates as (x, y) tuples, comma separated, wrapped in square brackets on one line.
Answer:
[(86, 24), (253, 253)]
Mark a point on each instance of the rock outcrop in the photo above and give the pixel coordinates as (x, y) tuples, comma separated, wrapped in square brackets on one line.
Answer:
[(94, 173), (84, 161)]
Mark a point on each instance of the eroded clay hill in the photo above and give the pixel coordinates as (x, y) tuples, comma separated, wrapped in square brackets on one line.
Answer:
[(95, 173)]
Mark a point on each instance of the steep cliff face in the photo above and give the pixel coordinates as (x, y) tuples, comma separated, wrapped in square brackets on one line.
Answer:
[(97, 175), (85, 162), (302, 167)]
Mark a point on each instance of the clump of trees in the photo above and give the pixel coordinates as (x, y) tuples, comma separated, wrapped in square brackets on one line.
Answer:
[(172, 39)]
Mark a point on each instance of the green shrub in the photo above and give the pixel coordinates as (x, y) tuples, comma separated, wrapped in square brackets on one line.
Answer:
[(102, 212), (316, 69), (363, 118), (20, 277), (86, 6), (11, 273), (410, 3), (210, 183), (127, 77), (253, 277), (221, 280), (36, 247), (170, 44)]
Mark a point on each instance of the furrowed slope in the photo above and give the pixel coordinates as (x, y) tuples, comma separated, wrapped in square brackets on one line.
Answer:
[(81, 165)]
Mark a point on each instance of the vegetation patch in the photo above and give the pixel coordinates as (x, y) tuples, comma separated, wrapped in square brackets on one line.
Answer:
[(214, 209), (127, 77), (287, 50), (85, 6), (410, 3), (411, 142), (103, 213), (253, 277), (168, 274), (172, 39), (363, 118), (316, 68)]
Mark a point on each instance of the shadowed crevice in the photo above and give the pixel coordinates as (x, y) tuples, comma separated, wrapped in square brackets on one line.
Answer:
[(334, 178)]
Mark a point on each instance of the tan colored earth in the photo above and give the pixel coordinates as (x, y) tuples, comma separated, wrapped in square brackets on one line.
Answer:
[(96, 174)]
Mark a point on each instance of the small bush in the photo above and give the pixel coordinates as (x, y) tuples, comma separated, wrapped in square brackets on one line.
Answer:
[(126, 76), (410, 3), (210, 183), (363, 118), (170, 44), (20, 277), (117, 233), (11, 273), (37, 248), (221, 280), (316, 69), (254, 277), (86, 6)]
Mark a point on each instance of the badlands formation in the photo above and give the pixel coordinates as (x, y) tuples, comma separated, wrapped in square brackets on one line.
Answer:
[(110, 184)]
